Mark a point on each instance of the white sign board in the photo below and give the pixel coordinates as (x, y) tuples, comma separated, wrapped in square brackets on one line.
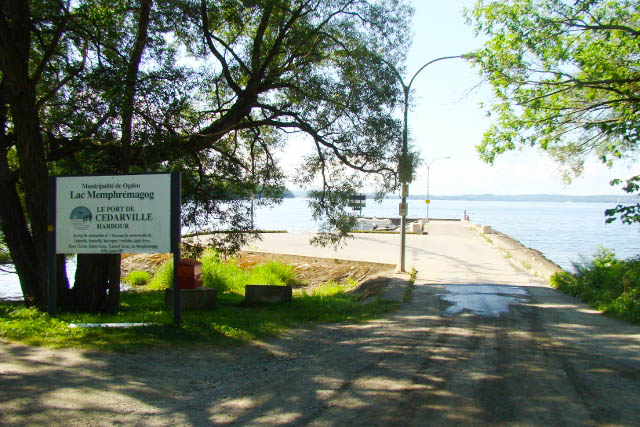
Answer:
[(113, 214)]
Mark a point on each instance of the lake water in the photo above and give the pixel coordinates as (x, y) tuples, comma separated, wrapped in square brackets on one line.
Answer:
[(563, 232)]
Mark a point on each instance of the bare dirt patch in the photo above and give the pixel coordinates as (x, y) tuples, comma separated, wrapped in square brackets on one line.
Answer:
[(315, 271), (141, 262)]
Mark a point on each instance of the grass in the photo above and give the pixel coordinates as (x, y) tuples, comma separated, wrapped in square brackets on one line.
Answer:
[(231, 322), (137, 278), (227, 276), (606, 283), (409, 290)]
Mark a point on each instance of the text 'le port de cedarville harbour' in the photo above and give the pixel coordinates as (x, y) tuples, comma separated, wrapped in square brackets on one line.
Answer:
[(115, 217)]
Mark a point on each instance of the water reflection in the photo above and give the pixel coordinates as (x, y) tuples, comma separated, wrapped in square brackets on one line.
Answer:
[(484, 300)]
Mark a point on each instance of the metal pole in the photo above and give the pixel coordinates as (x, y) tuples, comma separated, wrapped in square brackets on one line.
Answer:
[(52, 289), (403, 218), (428, 170), (176, 226), (428, 199), (404, 154)]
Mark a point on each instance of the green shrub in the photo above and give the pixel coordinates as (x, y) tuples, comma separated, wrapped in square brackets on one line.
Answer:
[(137, 278), (226, 276), (273, 273), (607, 283), (220, 275), (163, 277), (5, 258)]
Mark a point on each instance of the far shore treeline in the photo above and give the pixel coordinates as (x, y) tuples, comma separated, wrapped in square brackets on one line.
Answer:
[(559, 198)]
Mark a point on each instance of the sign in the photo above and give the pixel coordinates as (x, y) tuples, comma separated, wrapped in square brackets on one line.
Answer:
[(358, 201), (113, 214), (403, 209), (427, 201), (405, 190)]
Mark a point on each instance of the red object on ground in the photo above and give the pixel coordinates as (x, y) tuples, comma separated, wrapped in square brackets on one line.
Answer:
[(189, 274)]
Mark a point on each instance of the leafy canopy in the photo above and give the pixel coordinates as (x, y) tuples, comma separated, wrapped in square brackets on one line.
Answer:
[(566, 77)]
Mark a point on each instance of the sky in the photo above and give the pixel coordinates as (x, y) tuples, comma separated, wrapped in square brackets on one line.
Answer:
[(447, 121)]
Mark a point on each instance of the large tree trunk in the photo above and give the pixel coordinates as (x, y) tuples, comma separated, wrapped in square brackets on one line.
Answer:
[(12, 219), (28, 252), (16, 233), (94, 278)]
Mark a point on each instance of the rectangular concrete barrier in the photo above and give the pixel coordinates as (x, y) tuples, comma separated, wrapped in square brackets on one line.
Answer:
[(199, 298), (260, 294)]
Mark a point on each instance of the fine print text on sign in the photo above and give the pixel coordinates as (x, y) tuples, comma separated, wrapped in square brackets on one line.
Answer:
[(113, 214)]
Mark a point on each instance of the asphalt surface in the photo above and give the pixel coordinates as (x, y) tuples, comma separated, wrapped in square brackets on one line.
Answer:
[(480, 342)]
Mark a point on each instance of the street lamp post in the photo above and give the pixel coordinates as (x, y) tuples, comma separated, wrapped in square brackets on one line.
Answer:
[(428, 168), (404, 168)]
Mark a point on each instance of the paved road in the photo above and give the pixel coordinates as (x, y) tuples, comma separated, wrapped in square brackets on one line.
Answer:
[(480, 342)]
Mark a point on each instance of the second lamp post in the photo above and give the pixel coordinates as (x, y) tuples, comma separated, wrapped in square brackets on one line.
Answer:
[(428, 168)]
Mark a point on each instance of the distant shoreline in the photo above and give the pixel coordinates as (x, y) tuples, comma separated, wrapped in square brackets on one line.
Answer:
[(559, 198)]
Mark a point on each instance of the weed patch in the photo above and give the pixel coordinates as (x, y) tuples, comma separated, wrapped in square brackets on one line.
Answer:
[(409, 290), (137, 278), (606, 283)]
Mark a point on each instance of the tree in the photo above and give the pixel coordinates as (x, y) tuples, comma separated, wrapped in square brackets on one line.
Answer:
[(211, 88), (565, 76)]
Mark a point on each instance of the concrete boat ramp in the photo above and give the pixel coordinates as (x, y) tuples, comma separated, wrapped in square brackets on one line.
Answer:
[(474, 271)]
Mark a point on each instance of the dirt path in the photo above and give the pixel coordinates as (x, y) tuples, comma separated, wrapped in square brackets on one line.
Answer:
[(495, 346)]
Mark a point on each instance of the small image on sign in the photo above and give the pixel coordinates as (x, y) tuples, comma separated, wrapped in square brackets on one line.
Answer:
[(81, 218)]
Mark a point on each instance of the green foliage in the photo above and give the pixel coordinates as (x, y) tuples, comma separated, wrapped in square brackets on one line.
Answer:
[(5, 256), (410, 286), (210, 88), (565, 77), (230, 323), (137, 278), (629, 214), (607, 283), (226, 276), (162, 278)]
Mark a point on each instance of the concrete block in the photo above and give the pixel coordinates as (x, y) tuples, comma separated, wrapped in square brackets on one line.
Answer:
[(199, 298), (260, 294), (415, 227), (486, 229)]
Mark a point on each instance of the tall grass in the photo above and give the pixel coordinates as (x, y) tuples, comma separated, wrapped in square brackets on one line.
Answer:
[(226, 276), (162, 278), (137, 278), (607, 283)]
